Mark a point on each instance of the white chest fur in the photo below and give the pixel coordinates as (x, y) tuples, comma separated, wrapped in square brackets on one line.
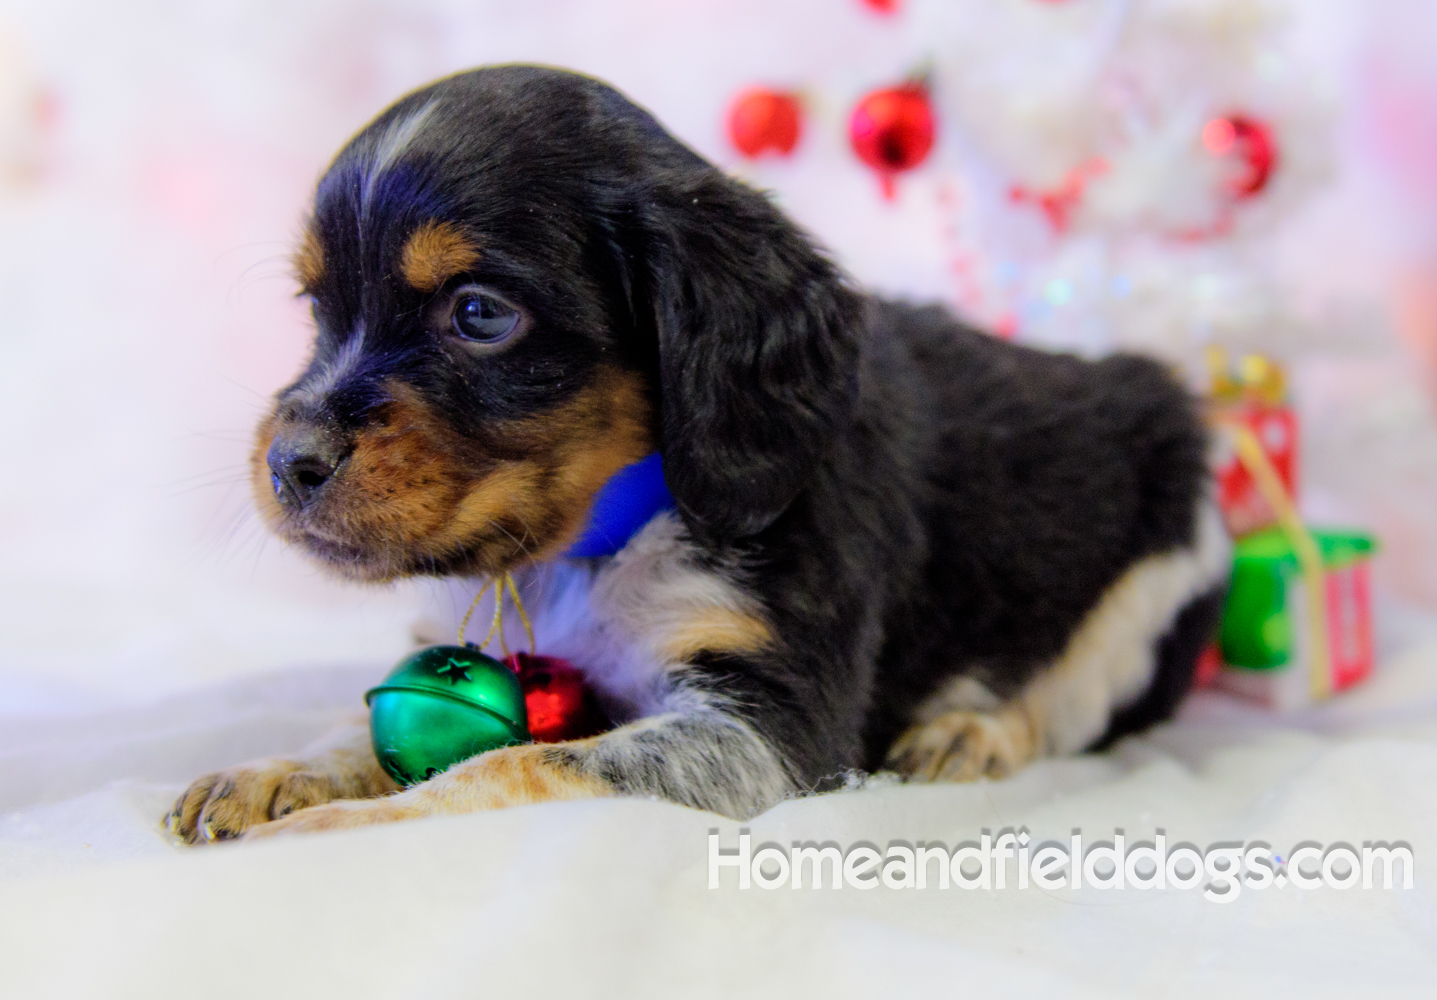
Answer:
[(615, 618)]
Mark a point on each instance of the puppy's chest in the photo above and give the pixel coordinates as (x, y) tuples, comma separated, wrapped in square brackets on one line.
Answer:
[(634, 622), (574, 619)]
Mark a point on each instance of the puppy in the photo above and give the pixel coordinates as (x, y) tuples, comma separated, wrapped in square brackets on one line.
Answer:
[(895, 542)]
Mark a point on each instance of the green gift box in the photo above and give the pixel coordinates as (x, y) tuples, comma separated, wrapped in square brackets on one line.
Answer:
[(1266, 635)]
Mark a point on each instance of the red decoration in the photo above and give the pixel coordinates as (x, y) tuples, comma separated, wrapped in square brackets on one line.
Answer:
[(1276, 428), (892, 131), (882, 6), (1349, 624), (1208, 666), (1252, 142), (560, 706), (760, 121), (1058, 203)]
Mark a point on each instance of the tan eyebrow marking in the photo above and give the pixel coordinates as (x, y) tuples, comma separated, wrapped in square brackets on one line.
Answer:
[(434, 253), (309, 260)]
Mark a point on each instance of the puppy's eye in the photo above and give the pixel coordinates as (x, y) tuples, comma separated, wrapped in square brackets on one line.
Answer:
[(483, 318)]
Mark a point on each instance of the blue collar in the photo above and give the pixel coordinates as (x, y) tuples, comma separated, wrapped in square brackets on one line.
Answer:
[(628, 501)]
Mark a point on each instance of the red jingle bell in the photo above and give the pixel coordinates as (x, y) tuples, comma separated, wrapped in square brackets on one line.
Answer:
[(761, 121), (892, 131), (560, 706)]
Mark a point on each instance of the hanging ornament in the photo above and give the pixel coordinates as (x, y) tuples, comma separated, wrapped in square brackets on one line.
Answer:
[(1250, 142), (882, 6), (1250, 145), (559, 704), (761, 121), (892, 131), (442, 705)]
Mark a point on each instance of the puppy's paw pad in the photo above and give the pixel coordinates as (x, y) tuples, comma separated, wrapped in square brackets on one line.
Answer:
[(962, 746), (223, 805)]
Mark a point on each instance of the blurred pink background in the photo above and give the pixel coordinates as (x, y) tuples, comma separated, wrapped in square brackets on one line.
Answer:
[(155, 159)]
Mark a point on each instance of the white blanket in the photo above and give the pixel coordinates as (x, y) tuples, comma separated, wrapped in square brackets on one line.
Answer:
[(144, 324), (611, 897)]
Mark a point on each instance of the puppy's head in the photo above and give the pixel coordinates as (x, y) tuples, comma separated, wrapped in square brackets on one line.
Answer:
[(521, 283)]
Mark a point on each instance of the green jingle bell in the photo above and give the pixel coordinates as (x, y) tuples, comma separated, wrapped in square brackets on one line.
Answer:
[(442, 705)]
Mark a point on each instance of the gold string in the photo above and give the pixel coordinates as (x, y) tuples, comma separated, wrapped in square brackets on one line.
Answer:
[(497, 625), (519, 607), (1309, 556), (498, 585), (464, 622)]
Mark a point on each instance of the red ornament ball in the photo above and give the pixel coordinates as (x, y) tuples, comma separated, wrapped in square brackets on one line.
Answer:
[(882, 6), (1252, 142), (559, 704), (761, 121), (892, 130)]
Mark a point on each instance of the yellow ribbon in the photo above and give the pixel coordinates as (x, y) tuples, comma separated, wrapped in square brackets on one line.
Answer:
[(1309, 557), (499, 585)]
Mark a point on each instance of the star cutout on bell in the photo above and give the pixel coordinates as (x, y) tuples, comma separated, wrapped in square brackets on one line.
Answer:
[(454, 671)]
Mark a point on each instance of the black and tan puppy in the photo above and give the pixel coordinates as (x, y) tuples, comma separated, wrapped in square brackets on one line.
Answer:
[(897, 542)]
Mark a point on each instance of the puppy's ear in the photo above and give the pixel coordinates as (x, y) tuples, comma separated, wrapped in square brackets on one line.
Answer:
[(758, 352)]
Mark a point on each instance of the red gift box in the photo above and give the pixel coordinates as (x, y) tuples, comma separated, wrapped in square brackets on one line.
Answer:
[(1252, 394), (1276, 429)]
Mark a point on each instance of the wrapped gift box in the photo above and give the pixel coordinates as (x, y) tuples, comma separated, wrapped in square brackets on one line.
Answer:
[(1267, 639), (1276, 429), (1252, 394)]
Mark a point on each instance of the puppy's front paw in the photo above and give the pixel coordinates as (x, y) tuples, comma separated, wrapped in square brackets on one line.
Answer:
[(963, 746), (223, 805), (337, 816)]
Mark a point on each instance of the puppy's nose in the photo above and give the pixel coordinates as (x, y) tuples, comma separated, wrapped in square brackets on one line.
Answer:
[(301, 460)]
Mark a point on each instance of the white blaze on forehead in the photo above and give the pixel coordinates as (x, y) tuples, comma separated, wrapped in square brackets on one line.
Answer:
[(391, 144), (397, 136), (332, 372)]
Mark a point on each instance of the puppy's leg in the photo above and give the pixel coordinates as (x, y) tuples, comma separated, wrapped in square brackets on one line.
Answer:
[(697, 755), (963, 733), (223, 805)]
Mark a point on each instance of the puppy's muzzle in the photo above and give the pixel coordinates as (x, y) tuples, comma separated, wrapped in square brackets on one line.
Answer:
[(302, 459)]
